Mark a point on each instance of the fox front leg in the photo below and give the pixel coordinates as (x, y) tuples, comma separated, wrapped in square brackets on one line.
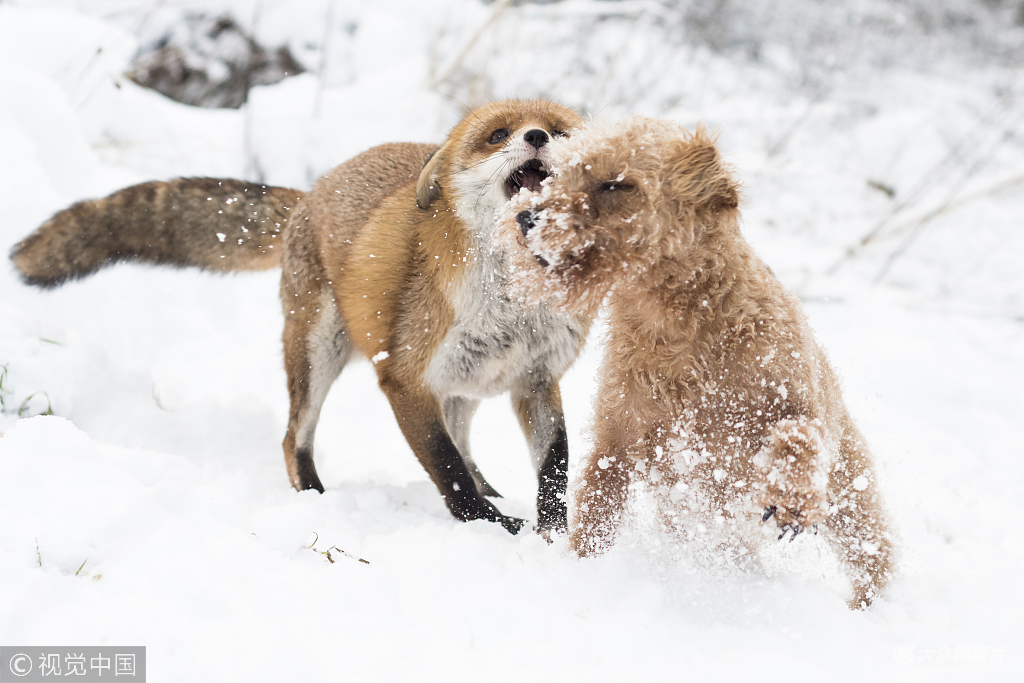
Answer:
[(538, 405)]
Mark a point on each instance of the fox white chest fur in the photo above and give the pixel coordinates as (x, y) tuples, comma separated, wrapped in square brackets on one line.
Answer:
[(494, 341)]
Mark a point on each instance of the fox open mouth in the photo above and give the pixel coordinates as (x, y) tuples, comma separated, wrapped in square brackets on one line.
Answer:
[(529, 175)]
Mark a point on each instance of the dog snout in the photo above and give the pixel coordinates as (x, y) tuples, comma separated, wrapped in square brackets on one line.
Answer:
[(525, 219), (536, 137)]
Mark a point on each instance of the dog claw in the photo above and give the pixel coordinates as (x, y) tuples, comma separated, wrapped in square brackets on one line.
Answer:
[(797, 529)]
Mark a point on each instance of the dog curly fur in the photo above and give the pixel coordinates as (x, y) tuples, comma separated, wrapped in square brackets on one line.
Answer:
[(712, 383)]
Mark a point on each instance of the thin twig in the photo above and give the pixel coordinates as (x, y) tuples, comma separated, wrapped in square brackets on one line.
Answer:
[(950, 206), (3, 390), (325, 46), (498, 10), (926, 182), (117, 42), (252, 168), (961, 182), (825, 88)]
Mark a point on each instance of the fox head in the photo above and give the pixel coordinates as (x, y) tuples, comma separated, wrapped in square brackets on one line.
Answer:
[(491, 154)]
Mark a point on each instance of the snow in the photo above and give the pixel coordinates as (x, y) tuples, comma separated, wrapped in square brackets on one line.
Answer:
[(161, 467)]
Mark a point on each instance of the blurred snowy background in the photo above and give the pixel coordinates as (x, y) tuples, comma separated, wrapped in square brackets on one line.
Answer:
[(881, 148)]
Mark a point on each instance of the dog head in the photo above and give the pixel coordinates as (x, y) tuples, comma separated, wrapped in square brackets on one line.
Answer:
[(492, 154), (622, 199)]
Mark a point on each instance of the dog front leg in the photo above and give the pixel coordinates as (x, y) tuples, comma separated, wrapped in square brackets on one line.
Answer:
[(421, 420), (538, 405), (600, 498)]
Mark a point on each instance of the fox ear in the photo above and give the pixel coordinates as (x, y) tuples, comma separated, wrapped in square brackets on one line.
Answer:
[(697, 175), (427, 187)]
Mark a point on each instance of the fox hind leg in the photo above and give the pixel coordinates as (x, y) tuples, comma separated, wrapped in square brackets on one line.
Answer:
[(316, 348)]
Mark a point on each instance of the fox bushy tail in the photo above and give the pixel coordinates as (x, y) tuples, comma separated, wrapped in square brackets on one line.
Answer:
[(214, 224)]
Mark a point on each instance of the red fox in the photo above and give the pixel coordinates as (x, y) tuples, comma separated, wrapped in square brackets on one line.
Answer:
[(390, 256)]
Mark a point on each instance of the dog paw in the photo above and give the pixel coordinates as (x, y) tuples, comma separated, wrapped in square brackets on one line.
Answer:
[(795, 521), (584, 545), (796, 527), (794, 474), (796, 511), (591, 541)]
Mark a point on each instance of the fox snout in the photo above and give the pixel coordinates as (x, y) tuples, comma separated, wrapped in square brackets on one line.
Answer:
[(536, 138)]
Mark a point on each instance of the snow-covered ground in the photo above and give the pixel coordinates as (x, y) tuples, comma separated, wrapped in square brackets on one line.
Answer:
[(161, 466)]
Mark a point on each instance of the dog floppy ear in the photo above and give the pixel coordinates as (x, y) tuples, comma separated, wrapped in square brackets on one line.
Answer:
[(427, 187), (698, 179)]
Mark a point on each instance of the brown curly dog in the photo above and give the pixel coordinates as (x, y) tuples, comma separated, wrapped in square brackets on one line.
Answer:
[(713, 386)]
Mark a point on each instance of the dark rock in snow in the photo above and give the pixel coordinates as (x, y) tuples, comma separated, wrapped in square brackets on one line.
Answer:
[(208, 61)]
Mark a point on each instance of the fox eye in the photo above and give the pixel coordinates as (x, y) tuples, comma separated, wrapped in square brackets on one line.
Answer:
[(559, 134), (499, 135)]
